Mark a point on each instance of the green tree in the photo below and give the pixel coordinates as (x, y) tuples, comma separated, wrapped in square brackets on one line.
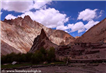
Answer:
[(37, 57), (51, 54), (43, 51), (28, 57)]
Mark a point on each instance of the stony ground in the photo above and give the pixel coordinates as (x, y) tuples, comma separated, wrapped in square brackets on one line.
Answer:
[(101, 68), (73, 68)]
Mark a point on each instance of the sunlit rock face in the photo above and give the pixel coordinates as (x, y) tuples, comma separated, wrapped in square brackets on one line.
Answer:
[(21, 32), (7, 49)]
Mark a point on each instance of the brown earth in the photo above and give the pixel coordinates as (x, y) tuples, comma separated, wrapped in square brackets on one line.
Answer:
[(71, 68), (101, 68)]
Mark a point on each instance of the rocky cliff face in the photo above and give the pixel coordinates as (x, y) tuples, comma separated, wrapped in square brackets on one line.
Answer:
[(96, 34), (7, 49), (20, 33), (42, 41)]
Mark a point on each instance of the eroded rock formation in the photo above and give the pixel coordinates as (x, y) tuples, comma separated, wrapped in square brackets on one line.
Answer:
[(20, 33), (42, 41)]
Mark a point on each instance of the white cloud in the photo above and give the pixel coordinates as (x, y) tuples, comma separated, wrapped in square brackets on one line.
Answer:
[(81, 30), (47, 18), (10, 16), (100, 14), (70, 26), (17, 5), (78, 26), (90, 24), (65, 28), (1, 13), (62, 27), (50, 17), (87, 14), (23, 5), (41, 3)]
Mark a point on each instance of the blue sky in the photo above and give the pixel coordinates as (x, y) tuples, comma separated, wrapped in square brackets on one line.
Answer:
[(74, 17)]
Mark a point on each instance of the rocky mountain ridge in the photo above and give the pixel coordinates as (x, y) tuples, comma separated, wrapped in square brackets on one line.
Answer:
[(20, 33), (42, 41)]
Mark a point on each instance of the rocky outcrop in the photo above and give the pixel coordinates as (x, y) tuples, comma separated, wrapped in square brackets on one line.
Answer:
[(42, 41), (20, 33), (7, 49), (59, 36), (95, 34)]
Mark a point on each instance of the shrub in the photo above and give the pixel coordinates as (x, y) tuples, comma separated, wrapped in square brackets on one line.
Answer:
[(51, 54), (39, 56)]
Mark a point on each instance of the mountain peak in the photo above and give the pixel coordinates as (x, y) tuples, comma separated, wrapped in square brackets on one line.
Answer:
[(42, 41), (22, 31), (43, 32), (27, 17)]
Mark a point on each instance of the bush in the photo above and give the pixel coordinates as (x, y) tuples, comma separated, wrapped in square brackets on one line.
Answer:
[(28, 57), (51, 55), (39, 56)]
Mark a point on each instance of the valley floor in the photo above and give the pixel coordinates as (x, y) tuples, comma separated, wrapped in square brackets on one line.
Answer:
[(101, 68), (72, 68)]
